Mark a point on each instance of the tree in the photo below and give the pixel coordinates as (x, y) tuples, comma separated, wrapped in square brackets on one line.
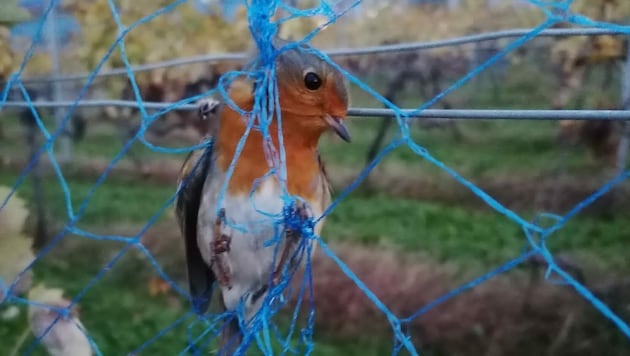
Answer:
[(10, 14)]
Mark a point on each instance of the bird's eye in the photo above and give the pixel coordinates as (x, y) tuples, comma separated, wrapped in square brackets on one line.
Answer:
[(312, 81)]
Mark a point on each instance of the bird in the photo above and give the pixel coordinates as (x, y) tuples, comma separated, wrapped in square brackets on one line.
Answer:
[(313, 98)]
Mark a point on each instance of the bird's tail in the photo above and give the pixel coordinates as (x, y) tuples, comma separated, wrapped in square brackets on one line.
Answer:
[(231, 338)]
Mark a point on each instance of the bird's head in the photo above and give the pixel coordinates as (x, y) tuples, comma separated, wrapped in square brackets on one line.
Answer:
[(313, 94)]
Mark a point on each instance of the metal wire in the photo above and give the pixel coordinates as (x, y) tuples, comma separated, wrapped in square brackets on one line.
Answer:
[(471, 114), (401, 47), (487, 36)]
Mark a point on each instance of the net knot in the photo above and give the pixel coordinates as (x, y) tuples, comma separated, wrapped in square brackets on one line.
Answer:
[(297, 218)]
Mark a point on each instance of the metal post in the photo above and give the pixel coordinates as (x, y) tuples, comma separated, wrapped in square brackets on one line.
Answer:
[(624, 142), (63, 148)]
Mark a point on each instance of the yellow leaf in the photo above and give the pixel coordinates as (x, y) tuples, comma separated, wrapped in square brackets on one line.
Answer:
[(15, 247), (45, 295), (14, 214)]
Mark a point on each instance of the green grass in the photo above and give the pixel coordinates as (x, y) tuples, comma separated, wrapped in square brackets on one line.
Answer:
[(515, 148), (102, 140), (472, 239), (115, 201)]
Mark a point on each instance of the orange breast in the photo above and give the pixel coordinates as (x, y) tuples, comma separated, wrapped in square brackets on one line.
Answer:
[(302, 165)]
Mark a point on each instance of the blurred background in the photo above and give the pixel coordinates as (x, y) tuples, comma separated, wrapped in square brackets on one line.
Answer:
[(410, 231)]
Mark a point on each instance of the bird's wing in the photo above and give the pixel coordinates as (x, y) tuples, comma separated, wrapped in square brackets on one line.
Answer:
[(192, 176)]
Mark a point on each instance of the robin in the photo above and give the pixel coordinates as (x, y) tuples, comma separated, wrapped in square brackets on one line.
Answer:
[(227, 234)]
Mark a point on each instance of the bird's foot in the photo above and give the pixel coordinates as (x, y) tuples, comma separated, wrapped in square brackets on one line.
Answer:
[(292, 237), (207, 107), (220, 246)]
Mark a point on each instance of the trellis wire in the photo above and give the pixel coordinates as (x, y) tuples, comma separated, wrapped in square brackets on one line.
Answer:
[(401, 47), (462, 114), (259, 330)]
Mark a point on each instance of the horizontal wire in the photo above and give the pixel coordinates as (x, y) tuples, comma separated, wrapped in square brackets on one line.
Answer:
[(472, 114), (401, 47), (487, 36)]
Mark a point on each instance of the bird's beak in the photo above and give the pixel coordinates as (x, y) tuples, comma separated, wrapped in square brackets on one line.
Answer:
[(337, 124)]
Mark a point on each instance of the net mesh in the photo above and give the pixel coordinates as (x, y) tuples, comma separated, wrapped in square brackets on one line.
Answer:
[(261, 330)]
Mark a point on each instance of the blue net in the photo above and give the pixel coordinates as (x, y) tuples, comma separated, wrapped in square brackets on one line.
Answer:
[(261, 331)]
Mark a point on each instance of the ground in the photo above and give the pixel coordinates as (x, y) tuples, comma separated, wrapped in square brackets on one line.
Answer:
[(408, 205)]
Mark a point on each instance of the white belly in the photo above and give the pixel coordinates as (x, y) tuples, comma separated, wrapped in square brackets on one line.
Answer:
[(255, 227)]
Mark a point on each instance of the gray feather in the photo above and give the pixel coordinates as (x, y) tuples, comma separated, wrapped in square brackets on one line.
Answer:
[(200, 276)]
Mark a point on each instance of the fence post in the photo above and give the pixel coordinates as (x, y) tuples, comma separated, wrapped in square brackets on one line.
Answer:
[(64, 149), (624, 142)]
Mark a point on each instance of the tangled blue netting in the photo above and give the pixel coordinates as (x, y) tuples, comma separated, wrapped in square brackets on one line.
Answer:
[(262, 331)]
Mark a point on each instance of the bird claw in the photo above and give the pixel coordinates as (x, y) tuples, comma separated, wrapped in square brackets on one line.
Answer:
[(219, 247), (292, 237), (207, 106)]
